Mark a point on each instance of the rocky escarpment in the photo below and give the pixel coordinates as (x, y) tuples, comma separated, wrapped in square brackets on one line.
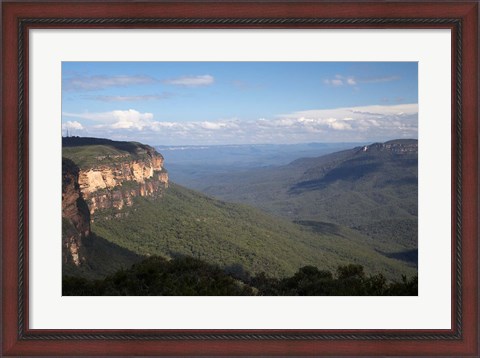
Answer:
[(75, 215), (102, 177), (115, 186), (113, 173)]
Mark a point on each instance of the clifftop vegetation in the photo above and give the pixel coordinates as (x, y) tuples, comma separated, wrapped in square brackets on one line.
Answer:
[(88, 152)]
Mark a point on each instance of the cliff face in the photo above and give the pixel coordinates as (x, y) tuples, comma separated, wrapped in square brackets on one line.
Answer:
[(112, 173), (97, 175), (115, 185), (75, 215)]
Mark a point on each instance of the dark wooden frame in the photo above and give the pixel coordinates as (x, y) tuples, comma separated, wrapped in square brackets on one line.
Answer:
[(460, 17)]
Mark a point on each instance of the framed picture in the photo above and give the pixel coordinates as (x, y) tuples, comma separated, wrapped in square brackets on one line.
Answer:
[(270, 178)]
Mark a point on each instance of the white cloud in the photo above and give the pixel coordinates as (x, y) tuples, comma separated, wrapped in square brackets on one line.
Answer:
[(100, 82), (367, 123), (340, 80), (213, 125), (147, 97), (191, 81), (117, 119), (340, 125), (334, 82), (72, 128), (351, 81), (72, 125), (131, 119), (91, 83)]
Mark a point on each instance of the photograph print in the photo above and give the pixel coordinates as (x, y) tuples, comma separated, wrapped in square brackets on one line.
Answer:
[(239, 178)]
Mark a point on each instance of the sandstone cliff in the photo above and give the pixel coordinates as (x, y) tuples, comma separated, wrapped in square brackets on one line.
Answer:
[(102, 177), (75, 215), (113, 173), (115, 185)]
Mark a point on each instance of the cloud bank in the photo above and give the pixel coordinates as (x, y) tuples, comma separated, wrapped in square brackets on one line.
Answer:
[(367, 123)]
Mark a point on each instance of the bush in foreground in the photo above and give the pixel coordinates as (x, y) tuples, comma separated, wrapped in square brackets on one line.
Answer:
[(187, 276)]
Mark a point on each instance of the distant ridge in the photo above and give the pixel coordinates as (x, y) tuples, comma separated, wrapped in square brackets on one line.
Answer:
[(372, 189)]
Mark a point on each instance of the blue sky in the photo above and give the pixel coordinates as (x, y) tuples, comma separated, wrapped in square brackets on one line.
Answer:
[(240, 102)]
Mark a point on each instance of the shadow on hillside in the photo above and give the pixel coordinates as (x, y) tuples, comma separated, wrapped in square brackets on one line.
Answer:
[(320, 227), (104, 258), (346, 172), (409, 256)]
